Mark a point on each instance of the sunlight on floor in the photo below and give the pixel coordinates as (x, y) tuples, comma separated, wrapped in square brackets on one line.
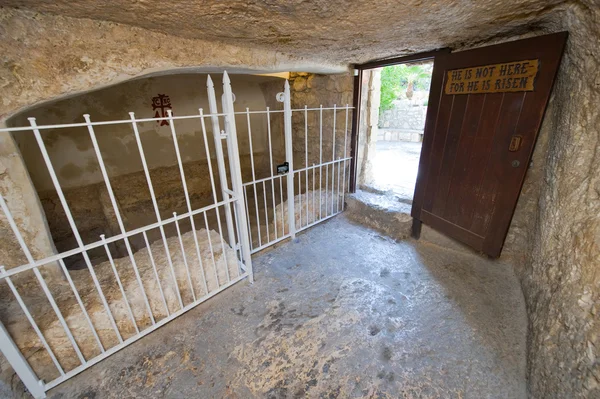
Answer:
[(395, 167)]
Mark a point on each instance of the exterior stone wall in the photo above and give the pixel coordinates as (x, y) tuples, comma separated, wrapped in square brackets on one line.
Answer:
[(404, 115), (404, 122)]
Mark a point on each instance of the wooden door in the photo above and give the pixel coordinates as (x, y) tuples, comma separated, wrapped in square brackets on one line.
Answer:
[(485, 110)]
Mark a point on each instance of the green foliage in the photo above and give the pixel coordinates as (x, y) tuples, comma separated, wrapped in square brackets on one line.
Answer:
[(398, 79)]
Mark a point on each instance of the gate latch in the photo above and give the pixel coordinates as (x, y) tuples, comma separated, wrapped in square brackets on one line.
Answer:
[(283, 168), (223, 135)]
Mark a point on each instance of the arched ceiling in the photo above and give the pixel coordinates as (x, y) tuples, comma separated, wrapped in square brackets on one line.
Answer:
[(336, 31)]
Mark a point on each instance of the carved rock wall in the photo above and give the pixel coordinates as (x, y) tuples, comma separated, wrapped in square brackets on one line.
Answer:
[(561, 275)]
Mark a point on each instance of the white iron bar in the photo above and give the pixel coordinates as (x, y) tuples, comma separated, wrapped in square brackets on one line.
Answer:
[(300, 195), (141, 120), (319, 221), (333, 156), (345, 152), (313, 191), (306, 157), (71, 221), (251, 183), (337, 202), (269, 141), (223, 245), (267, 245), (235, 168), (343, 185), (272, 171), (228, 217), (80, 302), (20, 365), (34, 324), (348, 179), (162, 294), (307, 198), (62, 320), (143, 333), (247, 213), (289, 156), (254, 175), (324, 163), (266, 211), (185, 189), (216, 131), (320, 159), (257, 218), (333, 144), (155, 204), (326, 189), (212, 252), (311, 109), (334, 199), (114, 269), (274, 208), (185, 263), (305, 137), (239, 240), (282, 211), (117, 214), (97, 244)]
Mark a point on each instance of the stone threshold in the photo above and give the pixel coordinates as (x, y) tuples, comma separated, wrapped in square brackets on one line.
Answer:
[(390, 215)]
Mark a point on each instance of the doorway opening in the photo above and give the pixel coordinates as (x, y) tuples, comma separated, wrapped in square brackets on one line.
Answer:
[(396, 107)]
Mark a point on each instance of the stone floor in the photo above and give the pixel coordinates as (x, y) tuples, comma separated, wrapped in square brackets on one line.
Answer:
[(342, 313), (395, 167)]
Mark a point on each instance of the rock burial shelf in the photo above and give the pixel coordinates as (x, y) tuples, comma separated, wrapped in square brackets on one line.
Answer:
[(307, 205), (225, 259)]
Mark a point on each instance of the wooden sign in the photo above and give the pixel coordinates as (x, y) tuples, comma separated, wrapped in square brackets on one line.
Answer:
[(496, 78)]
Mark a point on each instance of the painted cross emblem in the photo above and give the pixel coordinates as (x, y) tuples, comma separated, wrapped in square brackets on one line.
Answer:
[(160, 105)]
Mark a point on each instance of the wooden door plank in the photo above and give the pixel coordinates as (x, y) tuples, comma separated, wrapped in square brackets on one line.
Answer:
[(485, 201), (461, 167), (437, 150), (478, 160), (453, 136)]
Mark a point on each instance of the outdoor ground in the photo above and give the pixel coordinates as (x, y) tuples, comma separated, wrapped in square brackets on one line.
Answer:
[(341, 313), (395, 167)]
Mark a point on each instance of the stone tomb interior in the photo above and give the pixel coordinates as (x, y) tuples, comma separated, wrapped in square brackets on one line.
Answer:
[(353, 308)]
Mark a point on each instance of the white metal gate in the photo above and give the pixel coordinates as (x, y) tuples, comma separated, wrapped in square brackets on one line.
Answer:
[(132, 296), (180, 271), (285, 202)]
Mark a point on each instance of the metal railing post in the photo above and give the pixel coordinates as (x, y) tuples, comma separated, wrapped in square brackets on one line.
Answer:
[(214, 118), (289, 157), (236, 173), (14, 356)]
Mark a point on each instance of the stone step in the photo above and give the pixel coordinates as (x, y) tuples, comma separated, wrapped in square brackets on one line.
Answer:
[(381, 212)]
